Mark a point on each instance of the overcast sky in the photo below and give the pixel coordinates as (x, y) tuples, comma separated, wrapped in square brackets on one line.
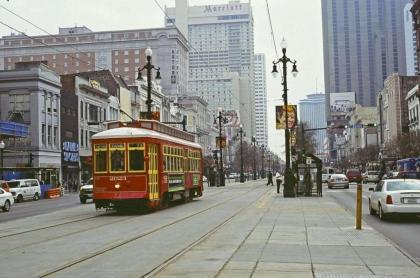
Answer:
[(298, 21)]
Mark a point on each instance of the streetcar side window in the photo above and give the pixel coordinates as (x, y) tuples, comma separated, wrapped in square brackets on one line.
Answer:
[(136, 157), (117, 157), (100, 158)]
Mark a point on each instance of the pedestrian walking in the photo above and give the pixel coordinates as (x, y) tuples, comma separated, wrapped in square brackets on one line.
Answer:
[(278, 181), (270, 179)]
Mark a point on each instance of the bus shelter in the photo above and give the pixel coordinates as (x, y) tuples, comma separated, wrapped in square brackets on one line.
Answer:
[(309, 173)]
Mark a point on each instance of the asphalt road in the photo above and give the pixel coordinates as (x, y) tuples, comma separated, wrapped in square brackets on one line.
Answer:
[(43, 206), (403, 231)]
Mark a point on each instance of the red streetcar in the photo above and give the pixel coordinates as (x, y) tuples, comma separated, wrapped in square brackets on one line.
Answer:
[(145, 163)]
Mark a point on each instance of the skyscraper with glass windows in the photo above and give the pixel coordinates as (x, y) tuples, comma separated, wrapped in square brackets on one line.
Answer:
[(260, 100), (364, 43)]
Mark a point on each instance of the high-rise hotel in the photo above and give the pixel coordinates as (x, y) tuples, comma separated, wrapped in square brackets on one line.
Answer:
[(221, 68)]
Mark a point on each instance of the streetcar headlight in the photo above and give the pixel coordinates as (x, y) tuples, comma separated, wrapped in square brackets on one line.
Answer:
[(117, 186)]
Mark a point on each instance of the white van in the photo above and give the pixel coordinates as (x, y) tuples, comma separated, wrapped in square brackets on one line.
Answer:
[(27, 189), (326, 173)]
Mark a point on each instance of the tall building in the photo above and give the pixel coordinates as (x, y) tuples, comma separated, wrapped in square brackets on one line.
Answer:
[(31, 94), (392, 107), (79, 49), (260, 100), (410, 41), (222, 45), (312, 113), (364, 43), (415, 11)]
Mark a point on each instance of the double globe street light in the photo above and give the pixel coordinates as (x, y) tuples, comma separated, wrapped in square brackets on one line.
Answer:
[(149, 67), (284, 60)]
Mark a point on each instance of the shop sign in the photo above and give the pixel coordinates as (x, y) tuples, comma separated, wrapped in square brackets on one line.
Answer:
[(70, 151)]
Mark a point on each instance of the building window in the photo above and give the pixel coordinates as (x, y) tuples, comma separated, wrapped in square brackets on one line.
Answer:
[(81, 110), (43, 134), (55, 136), (49, 134), (82, 138)]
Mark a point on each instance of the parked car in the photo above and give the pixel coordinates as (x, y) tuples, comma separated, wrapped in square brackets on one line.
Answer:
[(338, 180), (409, 175), (86, 191), (26, 189), (326, 173), (395, 196), (371, 176), (6, 200), (4, 185), (354, 175)]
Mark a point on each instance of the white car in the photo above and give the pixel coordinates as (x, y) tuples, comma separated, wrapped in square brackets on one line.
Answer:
[(86, 191), (6, 200), (395, 196), (371, 177), (326, 174), (338, 180), (26, 189)]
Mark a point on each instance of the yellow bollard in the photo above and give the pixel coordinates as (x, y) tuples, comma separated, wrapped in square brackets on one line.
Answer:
[(359, 207)]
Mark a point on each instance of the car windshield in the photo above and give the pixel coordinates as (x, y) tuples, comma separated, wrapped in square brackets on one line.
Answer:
[(90, 181), (372, 173), (13, 184), (403, 185)]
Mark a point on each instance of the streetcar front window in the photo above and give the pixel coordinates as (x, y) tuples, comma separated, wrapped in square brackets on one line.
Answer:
[(117, 157), (136, 157), (100, 158)]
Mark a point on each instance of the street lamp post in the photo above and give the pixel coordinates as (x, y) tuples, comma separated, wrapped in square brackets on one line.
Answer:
[(2, 145), (149, 67), (242, 177), (221, 174), (262, 161), (284, 60), (254, 141)]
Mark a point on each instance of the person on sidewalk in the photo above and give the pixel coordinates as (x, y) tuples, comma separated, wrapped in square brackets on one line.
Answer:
[(270, 179), (278, 182)]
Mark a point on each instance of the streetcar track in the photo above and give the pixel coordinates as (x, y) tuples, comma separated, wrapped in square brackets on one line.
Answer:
[(121, 243), (74, 221), (175, 257), (48, 227), (73, 233)]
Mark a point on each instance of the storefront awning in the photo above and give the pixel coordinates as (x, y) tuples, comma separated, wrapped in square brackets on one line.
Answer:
[(13, 129)]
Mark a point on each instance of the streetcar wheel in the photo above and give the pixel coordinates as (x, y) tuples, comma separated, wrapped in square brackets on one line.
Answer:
[(164, 201)]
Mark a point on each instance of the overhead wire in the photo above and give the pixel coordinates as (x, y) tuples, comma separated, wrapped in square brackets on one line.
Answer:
[(271, 28)]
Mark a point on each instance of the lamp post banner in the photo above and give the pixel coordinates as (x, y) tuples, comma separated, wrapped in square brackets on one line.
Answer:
[(281, 116)]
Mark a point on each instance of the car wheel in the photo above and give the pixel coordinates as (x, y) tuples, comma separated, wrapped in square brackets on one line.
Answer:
[(19, 199), (382, 215), (82, 200), (6, 206), (346, 187), (36, 196), (371, 210)]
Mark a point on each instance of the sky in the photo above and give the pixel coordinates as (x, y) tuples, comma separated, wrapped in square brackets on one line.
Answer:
[(299, 22)]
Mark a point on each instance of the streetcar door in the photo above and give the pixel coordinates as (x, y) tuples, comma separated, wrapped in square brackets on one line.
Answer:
[(153, 172)]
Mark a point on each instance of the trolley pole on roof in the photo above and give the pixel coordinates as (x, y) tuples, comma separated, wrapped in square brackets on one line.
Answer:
[(149, 67)]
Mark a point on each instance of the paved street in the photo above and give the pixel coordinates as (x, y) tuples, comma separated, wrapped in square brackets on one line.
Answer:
[(30, 208), (243, 230), (404, 231)]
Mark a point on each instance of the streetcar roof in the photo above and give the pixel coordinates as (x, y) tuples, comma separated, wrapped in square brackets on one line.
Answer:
[(132, 132)]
